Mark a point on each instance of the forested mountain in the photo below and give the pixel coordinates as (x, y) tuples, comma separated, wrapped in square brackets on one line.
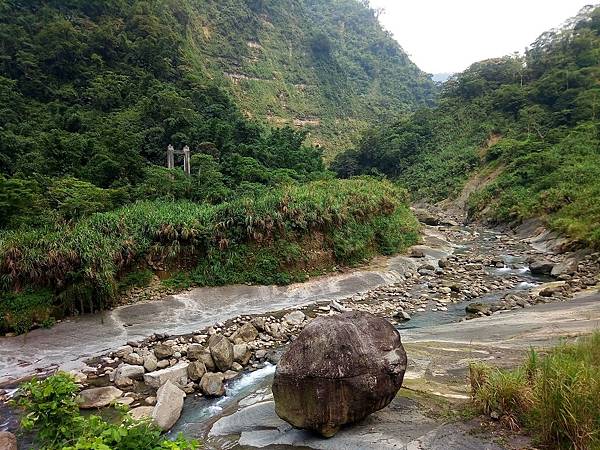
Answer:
[(325, 65), (93, 91), (120, 79), (529, 125)]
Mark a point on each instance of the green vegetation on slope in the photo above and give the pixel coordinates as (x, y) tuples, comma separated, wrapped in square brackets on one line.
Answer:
[(50, 409), (100, 86), (533, 119), (97, 90), (277, 236), (555, 397), (326, 65), (93, 92)]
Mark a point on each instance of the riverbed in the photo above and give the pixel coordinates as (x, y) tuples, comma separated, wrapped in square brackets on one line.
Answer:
[(376, 287)]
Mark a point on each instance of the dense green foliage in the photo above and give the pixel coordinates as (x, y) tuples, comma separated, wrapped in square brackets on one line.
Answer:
[(276, 236), (327, 65), (50, 410), (93, 92), (555, 396), (533, 120), (93, 89)]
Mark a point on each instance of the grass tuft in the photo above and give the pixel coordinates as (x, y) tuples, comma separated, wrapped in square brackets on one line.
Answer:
[(557, 397)]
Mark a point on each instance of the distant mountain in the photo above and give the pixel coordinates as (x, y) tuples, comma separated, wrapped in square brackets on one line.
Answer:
[(326, 66), (441, 77)]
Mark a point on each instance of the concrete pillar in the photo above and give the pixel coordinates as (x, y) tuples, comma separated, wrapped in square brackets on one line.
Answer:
[(170, 157), (187, 161)]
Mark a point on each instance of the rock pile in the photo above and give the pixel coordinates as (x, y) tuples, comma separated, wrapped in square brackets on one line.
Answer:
[(154, 375)]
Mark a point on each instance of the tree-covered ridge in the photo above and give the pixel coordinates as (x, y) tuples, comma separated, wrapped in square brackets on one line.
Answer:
[(94, 91), (106, 84), (326, 65), (533, 120)]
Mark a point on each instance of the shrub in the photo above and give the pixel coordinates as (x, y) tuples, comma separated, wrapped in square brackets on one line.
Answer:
[(21, 311), (249, 239), (51, 411)]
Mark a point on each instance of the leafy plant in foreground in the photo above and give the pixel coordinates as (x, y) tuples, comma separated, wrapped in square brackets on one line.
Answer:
[(51, 412)]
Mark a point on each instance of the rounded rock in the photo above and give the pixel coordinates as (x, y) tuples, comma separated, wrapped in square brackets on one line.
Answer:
[(339, 370)]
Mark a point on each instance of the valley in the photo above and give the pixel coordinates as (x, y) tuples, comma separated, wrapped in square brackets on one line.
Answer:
[(455, 266), (259, 224)]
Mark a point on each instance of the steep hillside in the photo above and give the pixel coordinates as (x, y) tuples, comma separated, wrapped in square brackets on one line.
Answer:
[(326, 66), (531, 122), (323, 66)]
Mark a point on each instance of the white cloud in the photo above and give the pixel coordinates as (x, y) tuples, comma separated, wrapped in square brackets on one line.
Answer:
[(449, 35)]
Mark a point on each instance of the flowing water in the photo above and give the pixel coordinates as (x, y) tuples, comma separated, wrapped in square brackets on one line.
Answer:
[(200, 414), (71, 342)]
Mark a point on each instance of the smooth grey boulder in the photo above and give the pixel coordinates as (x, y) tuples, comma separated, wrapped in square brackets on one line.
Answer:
[(339, 370), (177, 374), (221, 351), (294, 318), (98, 397), (169, 403), (150, 362), (126, 373)]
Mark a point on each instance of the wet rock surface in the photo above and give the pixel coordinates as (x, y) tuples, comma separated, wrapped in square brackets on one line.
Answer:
[(339, 370), (454, 267)]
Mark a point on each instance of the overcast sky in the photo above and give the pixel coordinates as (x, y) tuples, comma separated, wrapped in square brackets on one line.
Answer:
[(449, 35)]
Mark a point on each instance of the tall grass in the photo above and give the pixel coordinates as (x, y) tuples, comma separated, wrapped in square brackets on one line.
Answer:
[(557, 396), (245, 240)]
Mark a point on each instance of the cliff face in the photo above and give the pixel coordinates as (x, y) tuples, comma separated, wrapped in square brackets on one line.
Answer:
[(325, 66)]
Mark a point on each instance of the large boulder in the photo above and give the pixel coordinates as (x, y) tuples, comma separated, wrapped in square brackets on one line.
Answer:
[(98, 397), (221, 351), (169, 403), (177, 374), (339, 370)]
